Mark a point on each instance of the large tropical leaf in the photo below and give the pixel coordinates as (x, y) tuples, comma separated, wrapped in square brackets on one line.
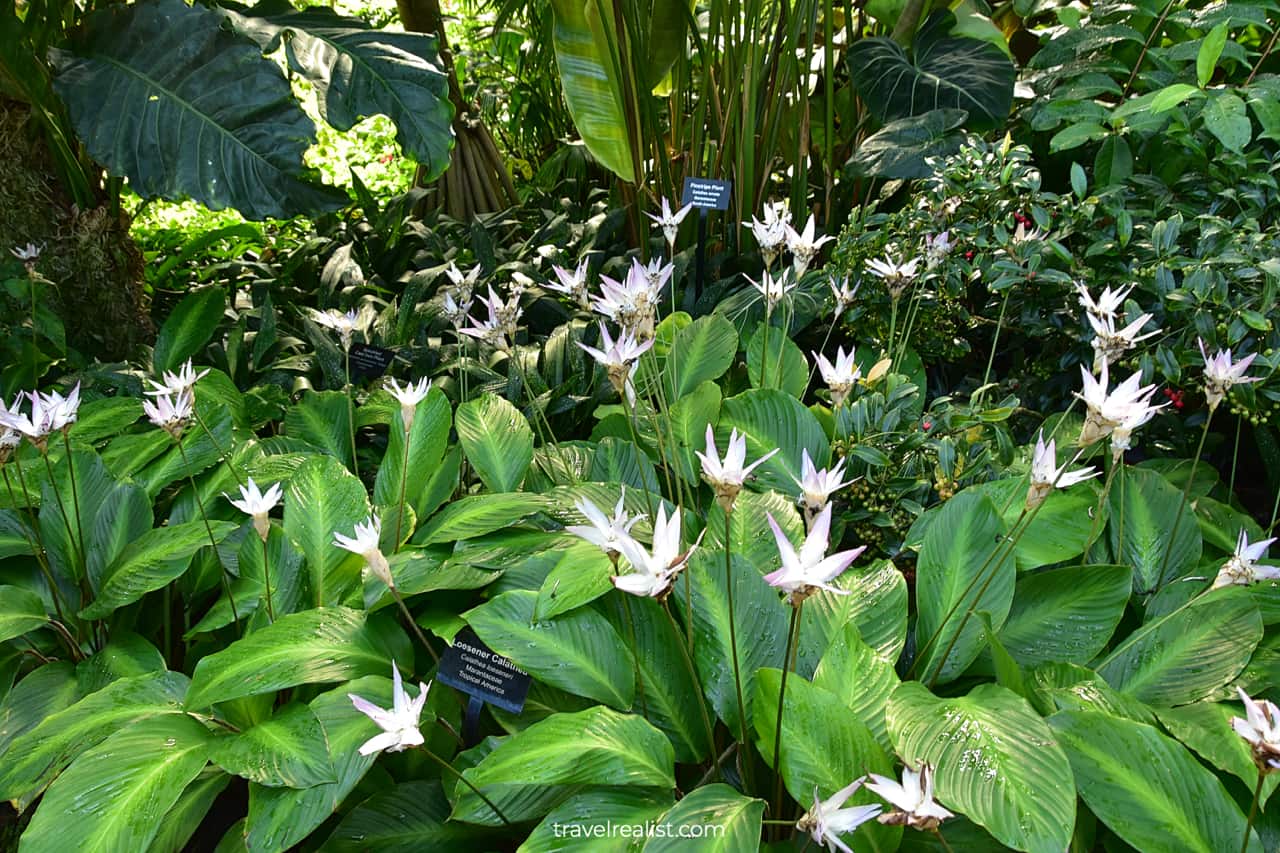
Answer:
[(943, 72), (585, 41), (359, 72), (774, 420), (314, 646), (903, 147), (21, 610), (860, 678), (1146, 787), (1144, 507), (497, 440), (569, 825), (189, 327), (578, 652), (1187, 655), (411, 817), (738, 817), (425, 447), (598, 746), (287, 750), (1066, 614), (1205, 727), (139, 93), (322, 419), (701, 351), (994, 759), (116, 795), (964, 566), (324, 498)]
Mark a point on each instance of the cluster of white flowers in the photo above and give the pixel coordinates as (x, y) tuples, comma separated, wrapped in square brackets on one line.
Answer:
[(774, 233), (912, 801), (502, 319), (1112, 339), (1114, 412), (1047, 475), (456, 296), (653, 569), (50, 413), (619, 358), (346, 324), (897, 277)]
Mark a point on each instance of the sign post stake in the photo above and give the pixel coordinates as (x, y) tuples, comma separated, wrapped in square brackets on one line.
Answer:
[(706, 194)]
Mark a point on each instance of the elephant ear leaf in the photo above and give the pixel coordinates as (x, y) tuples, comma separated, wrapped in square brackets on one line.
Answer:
[(139, 92), (359, 72), (943, 71)]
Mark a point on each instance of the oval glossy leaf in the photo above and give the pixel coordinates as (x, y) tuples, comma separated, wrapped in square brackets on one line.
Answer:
[(578, 651), (409, 818), (1205, 727), (860, 678), (1147, 788), (287, 750), (314, 646), (497, 441), (584, 819), (151, 562), (324, 498), (115, 796), (21, 610), (398, 477), (188, 328), (320, 418), (739, 817), (154, 120), (964, 566), (476, 515), (1187, 655), (1149, 504), (1065, 615), (598, 746), (902, 148), (995, 760), (701, 351)]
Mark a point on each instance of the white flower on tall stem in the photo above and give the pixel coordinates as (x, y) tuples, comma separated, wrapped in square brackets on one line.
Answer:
[(1221, 374), (10, 438), (843, 294), (453, 311), (1110, 343), (773, 288), (1242, 568), (771, 234), (827, 820), (632, 302), (670, 221), (28, 254), (840, 376), (171, 412), (366, 543), (654, 570), (619, 358), (936, 248), (896, 277), (184, 379), (409, 397), (727, 476), (605, 532), (803, 246), (465, 282), (50, 412), (1107, 305), (816, 486), (499, 327), (572, 284), (1127, 403), (345, 324), (656, 273), (1046, 475), (1260, 727), (808, 570), (400, 724), (912, 801), (257, 504)]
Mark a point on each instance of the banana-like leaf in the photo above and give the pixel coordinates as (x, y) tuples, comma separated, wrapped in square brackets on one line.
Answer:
[(1147, 540), (21, 610), (324, 498), (497, 440), (410, 817), (189, 327), (772, 419), (398, 476), (141, 93), (944, 71), (1065, 614), (589, 68), (359, 72), (320, 418), (288, 750), (597, 807), (737, 816)]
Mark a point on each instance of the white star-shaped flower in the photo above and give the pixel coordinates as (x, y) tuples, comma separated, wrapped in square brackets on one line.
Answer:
[(572, 284), (400, 724), (727, 475), (670, 221), (170, 412), (841, 375), (826, 821), (1221, 374), (895, 276), (818, 486), (773, 288), (619, 358), (176, 383), (655, 569), (913, 801), (1047, 475), (805, 571), (409, 396), (1261, 728), (1242, 568), (1107, 305), (1128, 403), (366, 543), (603, 531), (257, 504), (1110, 343), (803, 246)]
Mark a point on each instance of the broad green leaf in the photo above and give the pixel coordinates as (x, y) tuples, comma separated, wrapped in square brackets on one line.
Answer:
[(21, 610), (359, 72), (279, 818), (598, 746), (942, 72), (151, 562), (148, 117), (42, 693), (1071, 687), (1172, 95), (1225, 117), (1147, 788), (617, 461), (314, 646), (1075, 135), (1205, 727), (426, 448), (580, 576), (115, 795), (824, 747), (324, 498), (188, 328), (860, 678), (107, 417), (283, 561), (124, 517), (187, 814), (409, 818), (38, 755), (573, 823), (578, 652), (903, 147), (995, 760), (126, 655), (669, 697), (60, 523), (1143, 506), (876, 603), (497, 440), (965, 566), (750, 536), (1113, 163), (1190, 653), (701, 351), (287, 750), (1210, 50), (687, 428), (773, 420), (15, 534), (587, 58), (476, 515), (739, 817), (322, 419), (1066, 614), (787, 370), (199, 450), (1060, 527)]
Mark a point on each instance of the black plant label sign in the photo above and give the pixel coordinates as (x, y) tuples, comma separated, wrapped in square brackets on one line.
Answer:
[(475, 669), (706, 193), (370, 362)]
